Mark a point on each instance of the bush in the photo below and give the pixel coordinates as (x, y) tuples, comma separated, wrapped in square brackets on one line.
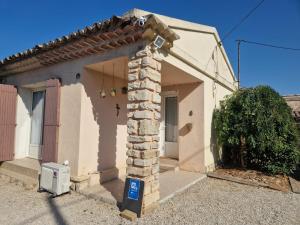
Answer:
[(256, 129)]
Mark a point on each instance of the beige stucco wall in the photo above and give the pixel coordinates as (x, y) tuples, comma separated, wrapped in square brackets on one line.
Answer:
[(103, 134), (213, 92), (68, 146), (198, 44), (203, 48), (190, 125), (72, 96)]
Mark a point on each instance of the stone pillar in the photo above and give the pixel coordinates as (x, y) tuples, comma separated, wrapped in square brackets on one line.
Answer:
[(144, 87)]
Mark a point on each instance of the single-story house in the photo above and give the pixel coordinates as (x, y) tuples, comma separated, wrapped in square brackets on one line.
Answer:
[(113, 97), (294, 102)]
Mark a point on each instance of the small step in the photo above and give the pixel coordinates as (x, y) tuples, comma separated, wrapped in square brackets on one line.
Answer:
[(27, 182), (24, 170), (164, 168), (168, 164), (17, 167)]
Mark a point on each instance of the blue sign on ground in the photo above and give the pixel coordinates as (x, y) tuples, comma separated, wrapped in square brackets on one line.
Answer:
[(134, 189)]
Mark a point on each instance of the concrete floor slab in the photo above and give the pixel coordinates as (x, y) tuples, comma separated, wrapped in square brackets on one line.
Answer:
[(171, 183), (174, 182)]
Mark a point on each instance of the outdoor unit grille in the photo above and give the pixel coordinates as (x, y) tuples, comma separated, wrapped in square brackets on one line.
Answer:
[(55, 178)]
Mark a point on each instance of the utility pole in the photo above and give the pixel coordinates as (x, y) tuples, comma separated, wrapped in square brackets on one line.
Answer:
[(239, 70)]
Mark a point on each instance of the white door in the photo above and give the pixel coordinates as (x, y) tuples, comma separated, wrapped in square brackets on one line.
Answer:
[(37, 122), (169, 126)]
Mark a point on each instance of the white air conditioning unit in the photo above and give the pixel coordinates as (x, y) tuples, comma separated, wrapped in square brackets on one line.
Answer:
[(55, 178)]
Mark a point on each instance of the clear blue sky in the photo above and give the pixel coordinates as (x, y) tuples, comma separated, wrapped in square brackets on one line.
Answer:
[(27, 23)]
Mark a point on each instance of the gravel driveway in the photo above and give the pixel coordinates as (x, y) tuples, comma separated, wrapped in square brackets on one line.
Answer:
[(208, 202)]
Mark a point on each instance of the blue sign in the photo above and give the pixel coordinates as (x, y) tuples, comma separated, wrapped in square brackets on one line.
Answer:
[(134, 189)]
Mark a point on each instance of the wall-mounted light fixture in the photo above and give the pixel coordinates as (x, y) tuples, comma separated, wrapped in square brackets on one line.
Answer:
[(159, 41)]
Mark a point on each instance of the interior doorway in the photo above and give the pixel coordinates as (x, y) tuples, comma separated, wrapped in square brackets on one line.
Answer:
[(37, 122), (169, 125)]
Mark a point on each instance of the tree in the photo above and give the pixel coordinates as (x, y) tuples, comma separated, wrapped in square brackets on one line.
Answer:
[(256, 129)]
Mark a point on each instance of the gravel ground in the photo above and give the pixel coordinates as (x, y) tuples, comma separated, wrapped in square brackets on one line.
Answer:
[(208, 202)]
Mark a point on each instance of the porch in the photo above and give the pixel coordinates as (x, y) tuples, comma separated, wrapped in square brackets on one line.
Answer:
[(171, 182)]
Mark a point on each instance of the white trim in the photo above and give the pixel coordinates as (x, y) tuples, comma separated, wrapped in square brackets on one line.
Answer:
[(217, 38), (162, 123), (188, 60)]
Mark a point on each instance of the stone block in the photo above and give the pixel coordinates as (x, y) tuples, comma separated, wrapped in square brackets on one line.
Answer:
[(155, 160), (150, 199), (155, 168), (155, 186), (155, 138), (142, 162), (134, 63), (146, 180), (139, 171), (149, 127), (143, 114), (140, 95), (147, 154), (150, 74), (129, 114), (129, 161), (134, 85), (129, 215), (142, 146), (156, 115), (154, 145), (139, 139), (147, 188), (150, 209), (148, 106), (133, 153), (129, 145), (148, 61), (133, 70), (132, 126), (158, 88), (156, 98), (133, 76), (148, 84), (131, 106), (157, 57), (144, 52)]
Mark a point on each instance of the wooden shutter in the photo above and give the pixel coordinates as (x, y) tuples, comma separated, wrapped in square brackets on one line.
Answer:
[(8, 102), (51, 121)]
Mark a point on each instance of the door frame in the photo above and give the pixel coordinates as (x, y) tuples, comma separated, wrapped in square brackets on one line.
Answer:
[(162, 146), (39, 147)]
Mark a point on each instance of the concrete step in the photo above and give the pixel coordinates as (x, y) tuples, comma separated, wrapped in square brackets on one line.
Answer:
[(27, 182), (165, 167), (168, 164), (20, 169), (25, 171)]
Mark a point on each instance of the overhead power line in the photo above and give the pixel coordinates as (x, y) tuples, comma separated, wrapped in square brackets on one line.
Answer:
[(241, 21), (269, 45)]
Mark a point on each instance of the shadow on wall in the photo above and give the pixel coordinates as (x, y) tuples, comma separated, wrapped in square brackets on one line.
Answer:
[(110, 114)]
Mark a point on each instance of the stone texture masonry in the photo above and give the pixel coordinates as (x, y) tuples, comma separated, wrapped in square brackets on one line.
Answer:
[(144, 87)]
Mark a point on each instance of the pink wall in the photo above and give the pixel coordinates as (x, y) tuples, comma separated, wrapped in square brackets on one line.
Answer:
[(103, 134), (190, 125)]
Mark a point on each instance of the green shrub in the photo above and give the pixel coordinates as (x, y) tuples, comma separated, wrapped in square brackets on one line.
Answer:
[(256, 129)]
